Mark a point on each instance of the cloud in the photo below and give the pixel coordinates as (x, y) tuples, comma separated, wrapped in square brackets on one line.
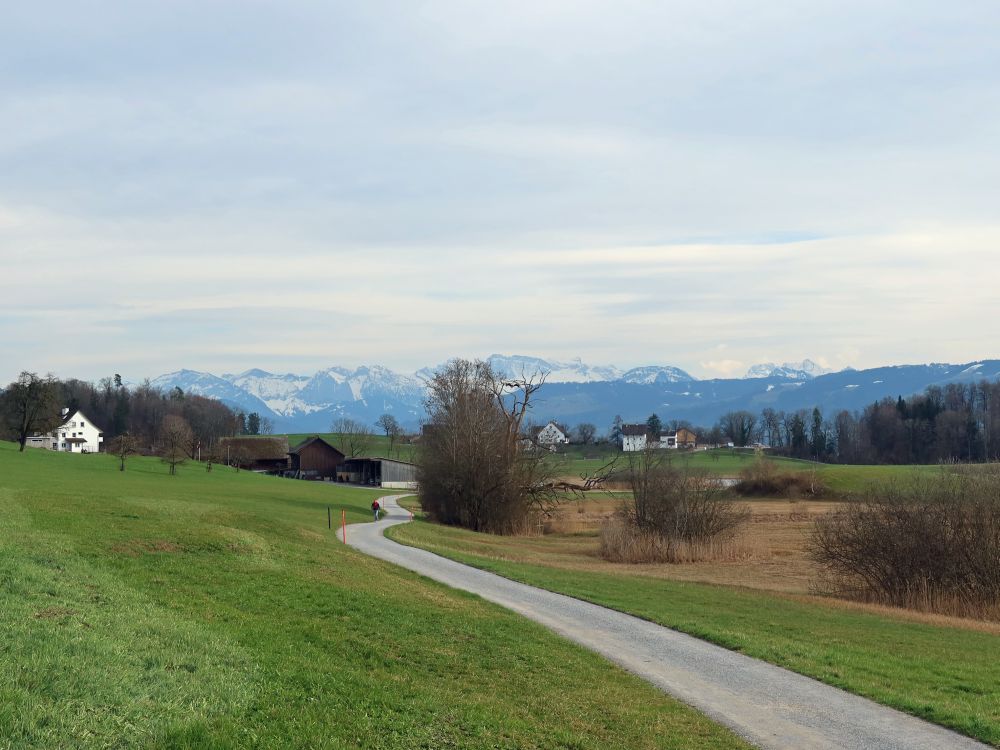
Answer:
[(222, 186)]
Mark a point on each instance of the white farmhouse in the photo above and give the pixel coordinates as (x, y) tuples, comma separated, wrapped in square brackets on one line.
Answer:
[(634, 437), (550, 434), (76, 434)]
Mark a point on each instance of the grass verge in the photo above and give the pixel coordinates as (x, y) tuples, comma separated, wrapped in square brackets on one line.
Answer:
[(949, 676)]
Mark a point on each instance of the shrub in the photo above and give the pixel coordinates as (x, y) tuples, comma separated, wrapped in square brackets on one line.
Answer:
[(930, 543), (764, 479), (669, 509)]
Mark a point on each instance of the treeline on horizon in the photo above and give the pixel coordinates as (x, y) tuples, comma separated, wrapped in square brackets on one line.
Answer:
[(959, 422), (117, 409)]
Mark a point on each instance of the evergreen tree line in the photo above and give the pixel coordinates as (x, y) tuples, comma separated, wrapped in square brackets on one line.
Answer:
[(959, 422)]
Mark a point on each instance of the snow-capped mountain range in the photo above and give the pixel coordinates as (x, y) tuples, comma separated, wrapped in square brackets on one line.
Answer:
[(804, 370), (574, 391)]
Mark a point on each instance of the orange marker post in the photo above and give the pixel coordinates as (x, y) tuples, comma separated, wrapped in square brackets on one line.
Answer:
[(343, 523)]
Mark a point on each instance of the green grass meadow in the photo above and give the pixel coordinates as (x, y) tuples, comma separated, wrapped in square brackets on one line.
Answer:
[(840, 479), (216, 610), (946, 675)]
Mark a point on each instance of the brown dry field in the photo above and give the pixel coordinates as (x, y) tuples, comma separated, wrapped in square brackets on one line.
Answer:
[(774, 544)]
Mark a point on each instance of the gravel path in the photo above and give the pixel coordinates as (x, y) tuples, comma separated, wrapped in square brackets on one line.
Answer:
[(769, 706)]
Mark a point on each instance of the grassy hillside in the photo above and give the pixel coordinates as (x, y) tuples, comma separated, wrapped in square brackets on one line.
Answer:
[(944, 674), (217, 611)]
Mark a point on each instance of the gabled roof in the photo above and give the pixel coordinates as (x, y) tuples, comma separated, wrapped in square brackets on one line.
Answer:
[(259, 448), (634, 429), (71, 414), (309, 441)]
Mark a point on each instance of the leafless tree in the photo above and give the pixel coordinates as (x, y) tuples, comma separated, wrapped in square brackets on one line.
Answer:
[(585, 433), (124, 446), (739, 427), (175, 441), (355, 436), (476, 467), (266, 426), (390, 426), (29, 405)]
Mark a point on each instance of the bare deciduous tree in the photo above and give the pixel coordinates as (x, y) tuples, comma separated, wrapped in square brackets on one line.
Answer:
[(29, 405), (175, 441), (476, 466), (124, 446), (390, 426), (585, 433), (739, 427), (355, 436)]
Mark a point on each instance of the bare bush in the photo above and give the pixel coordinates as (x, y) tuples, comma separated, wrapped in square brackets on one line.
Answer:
[(932, 543), (678, 504), (672, 515), (763, 478)]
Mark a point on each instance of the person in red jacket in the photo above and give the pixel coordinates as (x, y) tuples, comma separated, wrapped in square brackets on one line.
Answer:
[(375, 508)]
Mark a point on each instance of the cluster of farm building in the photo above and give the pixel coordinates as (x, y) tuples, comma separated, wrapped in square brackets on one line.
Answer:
[(313, 458)]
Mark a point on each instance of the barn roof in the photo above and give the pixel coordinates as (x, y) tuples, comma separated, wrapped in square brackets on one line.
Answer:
[(259, 448), (309, 441)]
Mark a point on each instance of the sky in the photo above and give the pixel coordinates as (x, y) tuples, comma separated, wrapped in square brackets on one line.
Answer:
[(294, 185)]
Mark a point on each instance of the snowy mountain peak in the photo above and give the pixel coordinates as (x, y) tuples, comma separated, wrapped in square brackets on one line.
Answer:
[(655, 374), (804, 370), (573, 371)]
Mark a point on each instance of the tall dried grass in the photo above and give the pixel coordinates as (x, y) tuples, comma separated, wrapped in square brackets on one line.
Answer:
[(624, 543)]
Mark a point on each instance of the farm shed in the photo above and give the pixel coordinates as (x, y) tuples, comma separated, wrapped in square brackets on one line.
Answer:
[(314, 458), (255, 453), (382, 472)]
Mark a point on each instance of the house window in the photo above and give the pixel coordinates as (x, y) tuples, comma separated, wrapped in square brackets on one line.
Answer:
[(82, 424)]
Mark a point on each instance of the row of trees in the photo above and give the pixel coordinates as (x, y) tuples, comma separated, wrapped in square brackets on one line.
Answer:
[(34, 403), (959, 422)]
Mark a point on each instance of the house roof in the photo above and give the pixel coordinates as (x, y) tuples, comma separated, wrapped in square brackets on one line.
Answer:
[(70, 415), (309, 441), (259, 448), (635, 429)]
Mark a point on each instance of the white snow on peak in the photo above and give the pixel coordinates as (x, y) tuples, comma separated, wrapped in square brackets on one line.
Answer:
[(804, 370)]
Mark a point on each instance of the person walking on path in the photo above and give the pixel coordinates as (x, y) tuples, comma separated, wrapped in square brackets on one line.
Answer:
[(375, 508)]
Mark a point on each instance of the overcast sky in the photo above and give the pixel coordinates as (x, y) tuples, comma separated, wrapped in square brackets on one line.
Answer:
[(291, 185)]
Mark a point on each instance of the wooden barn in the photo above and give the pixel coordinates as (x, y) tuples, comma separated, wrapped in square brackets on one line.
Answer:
[(266, 454), (314, 458)]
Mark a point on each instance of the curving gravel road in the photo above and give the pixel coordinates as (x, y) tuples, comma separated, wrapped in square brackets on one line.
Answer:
[(769, 706)]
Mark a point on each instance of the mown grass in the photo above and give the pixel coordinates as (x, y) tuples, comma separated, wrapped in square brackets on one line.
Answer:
[(839, 479), (218, 611), (949, 676)]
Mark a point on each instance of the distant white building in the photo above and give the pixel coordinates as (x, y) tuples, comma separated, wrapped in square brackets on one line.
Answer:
[(634, 437), (550, 434), (637, 437), (76, 434)]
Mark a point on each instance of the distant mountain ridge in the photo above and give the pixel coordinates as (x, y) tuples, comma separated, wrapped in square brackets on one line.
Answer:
[(574, 391)]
